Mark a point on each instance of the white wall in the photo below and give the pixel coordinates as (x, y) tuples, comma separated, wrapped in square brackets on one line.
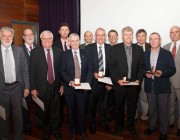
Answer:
[(152, 15)]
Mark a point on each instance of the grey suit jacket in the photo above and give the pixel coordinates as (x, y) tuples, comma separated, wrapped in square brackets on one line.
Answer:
[(21, 66), (175, 79)]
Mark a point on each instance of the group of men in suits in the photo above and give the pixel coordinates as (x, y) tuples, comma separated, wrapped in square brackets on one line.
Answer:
[(53, 68)]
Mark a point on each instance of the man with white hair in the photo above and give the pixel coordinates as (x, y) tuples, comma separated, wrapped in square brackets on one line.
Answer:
[(14, 84), (75, 65), (45, 82)]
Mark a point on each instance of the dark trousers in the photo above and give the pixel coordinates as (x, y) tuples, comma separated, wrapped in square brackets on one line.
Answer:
[(11, 101), (26, 117), (98, 97), (159, 106), (130, 93), (51, 117), (111, 103), (76, 111)]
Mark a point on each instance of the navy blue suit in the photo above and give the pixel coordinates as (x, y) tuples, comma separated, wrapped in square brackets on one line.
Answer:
[(165, 63), (158, 89), (75, 99)]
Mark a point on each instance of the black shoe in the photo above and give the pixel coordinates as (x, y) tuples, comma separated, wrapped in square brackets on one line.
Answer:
[(163, 137), (117, 131), (57, 136), (178, 133), (171, 125), (132, 131), (93, 130), (149, 131), (105, 126)]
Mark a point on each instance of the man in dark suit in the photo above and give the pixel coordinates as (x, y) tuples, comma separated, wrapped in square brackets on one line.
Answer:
[(141, 36), (127, 60), (14, 81), (28, 37), (88, 39), (99, 54), (113, 40), (63, 42), (45, 82), (160, 66), (75, 99)]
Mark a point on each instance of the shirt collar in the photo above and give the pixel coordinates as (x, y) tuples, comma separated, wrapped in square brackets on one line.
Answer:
[(4, 48), (75, 50)]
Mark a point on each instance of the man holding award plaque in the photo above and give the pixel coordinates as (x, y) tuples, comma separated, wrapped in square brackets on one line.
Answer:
[(75, 69), (99, 54), (126, 66), (160, 67)]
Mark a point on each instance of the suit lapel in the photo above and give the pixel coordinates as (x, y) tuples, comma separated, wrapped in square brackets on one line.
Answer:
[(148, 60), (44, 62), (16, 60), (1, 65), (82, 61), (71, 61)]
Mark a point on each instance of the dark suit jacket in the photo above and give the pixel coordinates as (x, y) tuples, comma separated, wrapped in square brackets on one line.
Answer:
[(58, 44), (67, 69), (119, 66), (147, 46), (21, 65), (82, 46), (91, 49), (39, 68), (165, 63)]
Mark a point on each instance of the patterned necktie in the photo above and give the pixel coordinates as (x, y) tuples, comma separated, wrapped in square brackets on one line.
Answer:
[(129, 60), (50, 68), (77, 66), (65, 46), (174, 50), (100, 59), (8, 67)]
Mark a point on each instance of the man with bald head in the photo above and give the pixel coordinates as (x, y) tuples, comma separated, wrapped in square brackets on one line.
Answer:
[(88, 39), (45, 82), (173, 47)]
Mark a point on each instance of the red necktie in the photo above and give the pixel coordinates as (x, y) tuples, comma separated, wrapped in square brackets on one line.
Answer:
[(174, 50), (30, 47), (50, 68)]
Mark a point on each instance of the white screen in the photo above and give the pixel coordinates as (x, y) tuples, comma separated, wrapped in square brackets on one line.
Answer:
[(152, 15)]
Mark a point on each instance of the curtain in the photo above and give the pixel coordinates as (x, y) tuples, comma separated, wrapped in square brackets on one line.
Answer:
[(53, 12)]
